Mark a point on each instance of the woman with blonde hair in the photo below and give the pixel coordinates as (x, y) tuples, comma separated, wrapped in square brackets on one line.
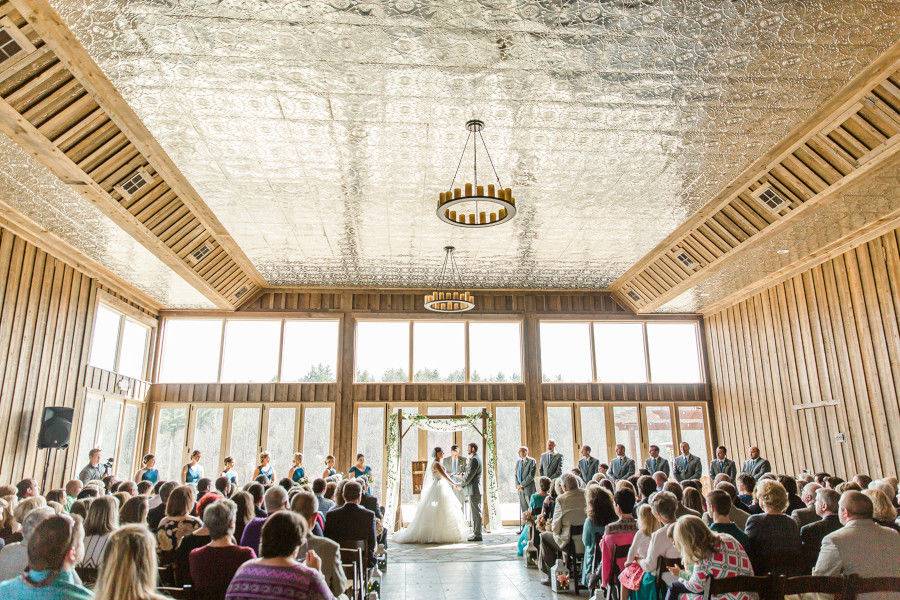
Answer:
[(883, 512), (773, 538), (10, 530), (102, 519), (264, 468), (297, 473), (130, 569), (632, 573), (710, 556)]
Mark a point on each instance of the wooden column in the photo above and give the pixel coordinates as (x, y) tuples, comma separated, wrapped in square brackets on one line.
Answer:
[(343, 409), (534, 413)]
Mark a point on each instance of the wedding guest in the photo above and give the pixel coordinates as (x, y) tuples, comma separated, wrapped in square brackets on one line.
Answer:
[(178, 521), (229, 472), (156, 514), (719, 509), (712, 556), (213, 566), (129, 569), (58, 496), (735, 515), (54, 549), (774, 538), (297, 473), (127, 487), (148, 471), (808, 514), (80, 508), (551, 462), (618, 533), (524, 475), (224, 486), (664, 505), (276, 499), (647, 523), (693, 500), (660, 479), (600, 511), (134, 511), (746, 484), (306, 505), (257, 491), (73, 487), (811, 535), (243, 502), (278, 574), (351, 522), (264, 469), (794, 501), (145, 488), (193, 471), (102, 520), (535, 504), (569, 510), (883, 512), (656, 462), (14, 556), (318, 488), (329, 471), (192, 541)]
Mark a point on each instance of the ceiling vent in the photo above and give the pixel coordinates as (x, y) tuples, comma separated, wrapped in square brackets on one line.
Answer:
[(772, 200), (8, 46), (134, 183), (200, 253), (12, 41), (685, 259), (634, 295), (241, 291)]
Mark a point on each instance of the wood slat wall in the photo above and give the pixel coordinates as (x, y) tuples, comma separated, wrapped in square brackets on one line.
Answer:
[(46, 313), (812, 357)]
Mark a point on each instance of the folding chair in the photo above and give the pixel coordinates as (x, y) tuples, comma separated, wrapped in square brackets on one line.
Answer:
[(866, 585), (767, 587), (574, 554)]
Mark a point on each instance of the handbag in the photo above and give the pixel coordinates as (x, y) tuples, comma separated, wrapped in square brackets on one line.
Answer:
[(631, 576)]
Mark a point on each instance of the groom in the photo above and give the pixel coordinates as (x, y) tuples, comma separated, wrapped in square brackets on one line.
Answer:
[(471, 485)]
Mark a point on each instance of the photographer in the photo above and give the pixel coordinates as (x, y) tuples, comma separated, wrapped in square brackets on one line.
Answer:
[(94, 470)]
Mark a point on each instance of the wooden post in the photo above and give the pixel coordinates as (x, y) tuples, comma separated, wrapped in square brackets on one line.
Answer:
[(398, 515)]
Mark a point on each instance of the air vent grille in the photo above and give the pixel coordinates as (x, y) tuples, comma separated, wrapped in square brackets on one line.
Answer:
[(241, 292), (200, 253), (772, 200), (8, 46), (634, 295), (134, 183), (685, 259)]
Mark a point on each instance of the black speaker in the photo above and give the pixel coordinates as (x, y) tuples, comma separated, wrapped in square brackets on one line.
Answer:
[(56, 426)]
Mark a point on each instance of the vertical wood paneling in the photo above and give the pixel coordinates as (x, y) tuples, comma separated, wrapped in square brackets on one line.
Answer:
[(828, 335), (46, 313)]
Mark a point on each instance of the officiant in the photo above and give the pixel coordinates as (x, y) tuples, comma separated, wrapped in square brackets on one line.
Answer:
[(456, 467)]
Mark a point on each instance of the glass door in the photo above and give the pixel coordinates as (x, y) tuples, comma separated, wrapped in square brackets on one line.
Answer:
[(171, 436), (125, 462), (592, 427), (628, 430), (692, 429), (244, 441), (508, 436), (281, 441), (206, 436), (659, 432), (317, 437)]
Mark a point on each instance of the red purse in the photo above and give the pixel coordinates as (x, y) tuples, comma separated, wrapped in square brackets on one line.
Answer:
[(631, 576)]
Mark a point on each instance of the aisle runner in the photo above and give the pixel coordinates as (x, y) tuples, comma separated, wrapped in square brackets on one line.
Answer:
[(498, 546)]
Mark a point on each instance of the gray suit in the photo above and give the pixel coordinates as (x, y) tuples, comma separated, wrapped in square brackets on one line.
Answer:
[(621, 467), (525, 471), (588, 467), (658, 464), (551, 465), (687, 467), (471, 485), (726, 465), (756, 467), (329, 552), (805, 516), (861, 547)]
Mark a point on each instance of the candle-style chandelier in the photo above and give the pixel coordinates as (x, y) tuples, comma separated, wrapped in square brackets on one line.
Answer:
[(474, 204), (449, 297)]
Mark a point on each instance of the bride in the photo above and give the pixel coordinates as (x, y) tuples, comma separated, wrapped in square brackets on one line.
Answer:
[(439, 515)]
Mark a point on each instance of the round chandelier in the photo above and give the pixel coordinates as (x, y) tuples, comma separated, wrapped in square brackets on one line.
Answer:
[(474, 205), (449, 298)]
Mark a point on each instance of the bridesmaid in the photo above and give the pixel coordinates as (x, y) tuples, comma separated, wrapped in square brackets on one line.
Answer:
[(193, 471), (229, 471), (360, 469), (297, 471), (329, 467), (264, 468), (148, 472)]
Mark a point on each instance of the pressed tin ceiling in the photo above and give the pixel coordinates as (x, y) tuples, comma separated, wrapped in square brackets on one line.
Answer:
[(319, 133), (29, 188)]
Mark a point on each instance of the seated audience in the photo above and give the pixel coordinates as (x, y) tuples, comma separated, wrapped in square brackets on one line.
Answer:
[(258, 492), (14, 556), (134, 510), (80, 508), (712, 556), (276, 499), (811, 534), (54, 549), (795, 502), (318, 488), (277, 574), (306, 505), (10, 529), (646, 487), (129, 569), (693, 499), (73, 488), (196, 539), (569, 510), (244, 503), (58, 496), (719, 508), (861, 547), (617, 533), (774, 538), (737, 515), (27, 488), (664, 506), (178, 521), (351, 522), (156, 514), (600, 511), (677, 490), (807, 515), (212, 566), (746, 483), (884, 512), (535, 504), (660, 478), (647, 524), (102, 520)]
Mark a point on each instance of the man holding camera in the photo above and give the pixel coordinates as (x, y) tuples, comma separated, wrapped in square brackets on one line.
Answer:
[(94, 470)]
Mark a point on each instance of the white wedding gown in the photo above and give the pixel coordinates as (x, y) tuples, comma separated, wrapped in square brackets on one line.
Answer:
[(439, 515)]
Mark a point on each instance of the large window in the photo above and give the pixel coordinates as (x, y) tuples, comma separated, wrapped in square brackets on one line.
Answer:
[(119, 343), (370, 441), (171, 436), (247, 350), (692, 423), (435, 351), (617, 352), (111, 424), (244, 440)]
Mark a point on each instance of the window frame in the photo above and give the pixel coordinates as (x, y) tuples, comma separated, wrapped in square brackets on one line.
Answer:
[(376, 318), (281, 318), (125, 312), (109, 397)]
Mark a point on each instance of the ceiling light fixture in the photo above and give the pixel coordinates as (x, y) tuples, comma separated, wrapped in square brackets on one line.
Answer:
[(449, 297), (475, 205)]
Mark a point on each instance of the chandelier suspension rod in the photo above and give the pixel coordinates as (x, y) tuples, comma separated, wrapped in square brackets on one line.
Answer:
[(493, 168), (461, 156)]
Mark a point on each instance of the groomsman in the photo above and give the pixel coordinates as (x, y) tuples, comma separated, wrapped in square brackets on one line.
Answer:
[(656, 462), (687, 466), (588, 465), (551, 462), (621, 466), (722, 465), (525, 471), (756, 465), (455, 465)]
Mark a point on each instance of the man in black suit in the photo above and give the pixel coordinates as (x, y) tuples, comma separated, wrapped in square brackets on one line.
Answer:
[(812, 534), (370, 502), (352, 522)]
